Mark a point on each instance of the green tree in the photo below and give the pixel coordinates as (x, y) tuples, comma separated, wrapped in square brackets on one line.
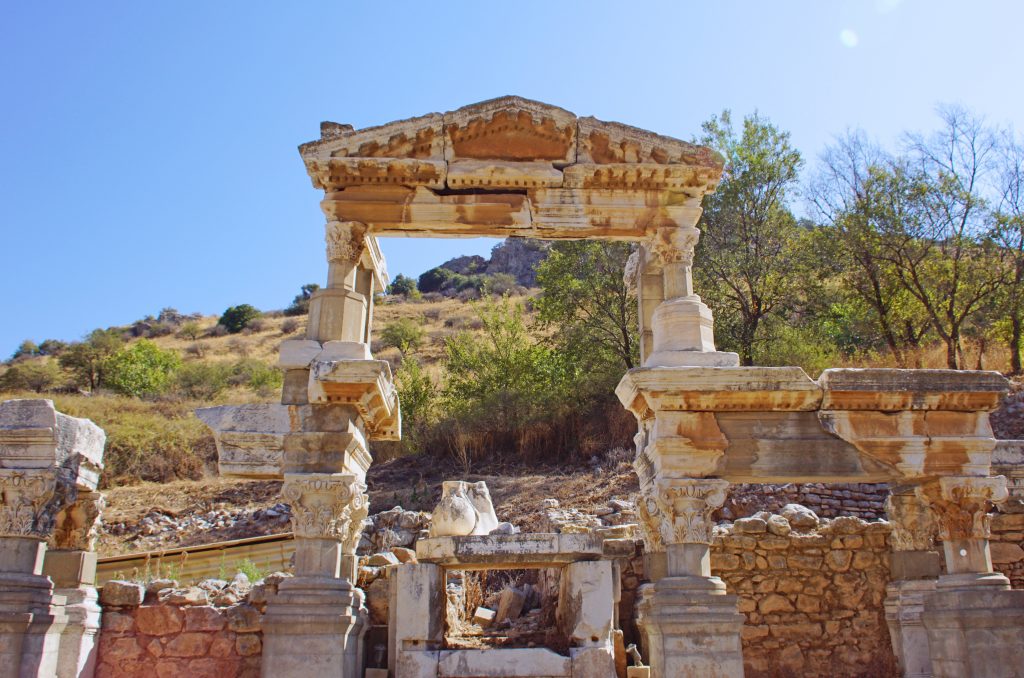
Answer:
[(405, 286), (502, 380), (750, 252), (940, 242), (52, 347), (1009, 233), (236, 318), (86, 359), (420, 403), (140, 369), (26, 349), (190, 330), (435, 279), (587, 306), (202, 380), (405, 334), (858, 196), (300, 304), (34, 375)]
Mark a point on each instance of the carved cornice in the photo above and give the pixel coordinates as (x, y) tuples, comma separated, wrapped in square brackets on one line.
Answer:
[(27, 509), (960, 505), (345, 241), (76, 525), (913, 526), (326, 506)]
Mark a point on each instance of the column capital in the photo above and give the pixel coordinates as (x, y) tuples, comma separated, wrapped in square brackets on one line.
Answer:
[(913, 525), (325, 505), (27, 509), (674, 244), (346, 241), (961, 504), (678, 511), (77, 524)]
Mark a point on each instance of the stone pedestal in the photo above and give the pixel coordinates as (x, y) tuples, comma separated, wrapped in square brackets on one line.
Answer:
[(975, 623), (74, 577), (904, 606), (690, 625)]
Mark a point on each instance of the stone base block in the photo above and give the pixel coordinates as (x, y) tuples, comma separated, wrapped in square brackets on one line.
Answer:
[(904, 605), (690, 628), (975, 632), (314, 627), (684, 335), (31, 624)]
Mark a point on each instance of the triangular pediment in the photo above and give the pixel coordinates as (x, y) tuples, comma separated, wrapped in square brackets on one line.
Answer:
[(509, 129)]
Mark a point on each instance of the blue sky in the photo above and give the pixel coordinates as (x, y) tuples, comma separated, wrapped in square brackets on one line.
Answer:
[(148, 149)]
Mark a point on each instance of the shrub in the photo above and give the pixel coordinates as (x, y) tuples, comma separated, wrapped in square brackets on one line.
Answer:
[(52, 347), (140, 369), (239, 346), (257, 325), (404, 286), (196, 349), (257, 375), (500, 283), (86, 359), (435, 279), (300, 304), (190, 330), (405, 334), (217, 330), (237, 318), (35, 375), (289, 326), (202, 381), (26, 349), (419, 398)]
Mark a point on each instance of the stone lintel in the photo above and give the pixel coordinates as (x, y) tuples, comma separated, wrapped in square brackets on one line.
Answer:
[(367, 386), (891, 390), (648, 390), (492, 552)]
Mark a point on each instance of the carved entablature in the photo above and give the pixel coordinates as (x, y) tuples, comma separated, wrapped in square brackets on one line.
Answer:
[(689, 504), (325, 505), (76, 525), (913, 526), (961, 505), (510, 167), (28, 507)]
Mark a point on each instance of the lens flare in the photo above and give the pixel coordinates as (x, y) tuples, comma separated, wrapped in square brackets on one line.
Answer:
[(848, 37)]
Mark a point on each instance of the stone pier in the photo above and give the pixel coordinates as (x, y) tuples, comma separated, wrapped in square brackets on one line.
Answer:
[(49, 467), (336, 398)]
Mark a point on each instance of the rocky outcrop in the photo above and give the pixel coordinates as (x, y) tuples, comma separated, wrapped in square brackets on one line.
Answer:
[(518, 257)]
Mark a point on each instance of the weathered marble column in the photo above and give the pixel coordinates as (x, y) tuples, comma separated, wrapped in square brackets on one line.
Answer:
[(316, 622), (336, 398), (690, 625), (975, 622), (915, 566), (46, 459), (682, 326)]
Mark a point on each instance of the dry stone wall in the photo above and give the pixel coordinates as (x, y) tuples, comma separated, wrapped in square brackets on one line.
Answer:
[(1007, 544), (163, 631), (829, 500)]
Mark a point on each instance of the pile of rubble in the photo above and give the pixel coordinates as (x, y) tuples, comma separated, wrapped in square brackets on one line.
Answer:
[(395, 527), (615, 520)]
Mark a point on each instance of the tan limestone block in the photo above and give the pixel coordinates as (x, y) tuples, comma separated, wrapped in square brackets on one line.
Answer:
[(896, 390), (420, 137), (334, 174), (612, 142)]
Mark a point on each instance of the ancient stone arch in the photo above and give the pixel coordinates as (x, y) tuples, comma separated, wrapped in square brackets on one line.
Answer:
[(514, 167)]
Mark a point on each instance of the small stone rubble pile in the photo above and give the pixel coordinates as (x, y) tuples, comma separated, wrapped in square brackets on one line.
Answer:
[(615, 520), (157, 629), (161, 528), (394, 527)]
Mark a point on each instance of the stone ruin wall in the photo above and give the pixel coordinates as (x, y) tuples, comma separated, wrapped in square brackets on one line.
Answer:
[(165, 633), (812, 594), (813, 599)]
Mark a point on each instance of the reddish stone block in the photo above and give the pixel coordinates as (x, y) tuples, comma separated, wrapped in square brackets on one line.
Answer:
[(189, 644), (243, 618), (223, 645), (158, 620), (117, 622), (248, 644), (204, 618)]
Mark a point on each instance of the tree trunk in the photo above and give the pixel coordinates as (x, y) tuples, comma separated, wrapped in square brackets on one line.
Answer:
[(1015, 340), (951, 361)]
